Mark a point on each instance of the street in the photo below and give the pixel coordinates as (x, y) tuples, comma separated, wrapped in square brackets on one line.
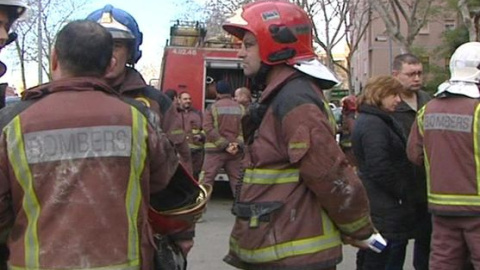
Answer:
[(211, 241)]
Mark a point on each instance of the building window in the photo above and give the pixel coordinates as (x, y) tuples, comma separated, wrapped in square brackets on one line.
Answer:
[(425, 30), (449, 25)]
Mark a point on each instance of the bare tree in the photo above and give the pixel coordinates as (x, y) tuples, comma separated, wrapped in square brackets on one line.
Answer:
[(414, 14), (53, 15), (470, 13), (356, 25), (217, 11)]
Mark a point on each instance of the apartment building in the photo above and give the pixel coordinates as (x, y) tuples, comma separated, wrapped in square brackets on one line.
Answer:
[(376, 50)]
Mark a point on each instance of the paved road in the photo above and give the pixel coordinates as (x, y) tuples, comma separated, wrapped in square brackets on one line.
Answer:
[(211, 242)]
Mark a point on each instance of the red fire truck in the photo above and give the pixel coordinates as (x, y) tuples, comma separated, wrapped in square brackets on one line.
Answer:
[(191, 62)]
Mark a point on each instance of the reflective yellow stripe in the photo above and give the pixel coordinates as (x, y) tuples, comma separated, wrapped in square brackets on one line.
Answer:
[(18, 160), (305, 246), (194, 146), (299, 145), (271, 176), (176, 132), (420, 115), (459, 200), (216, 143), (134, 192), (201, 177), (476, 148), (112, 267), (354, 226)]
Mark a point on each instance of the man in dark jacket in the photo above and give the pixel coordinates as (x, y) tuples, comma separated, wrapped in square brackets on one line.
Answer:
[(78, 165), (299, 195), (408, 69)]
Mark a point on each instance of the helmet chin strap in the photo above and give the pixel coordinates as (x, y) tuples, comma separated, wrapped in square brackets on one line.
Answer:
[(259, 82)]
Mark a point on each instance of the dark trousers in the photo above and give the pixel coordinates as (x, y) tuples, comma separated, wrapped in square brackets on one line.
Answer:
[(391, 258), (421, 248)]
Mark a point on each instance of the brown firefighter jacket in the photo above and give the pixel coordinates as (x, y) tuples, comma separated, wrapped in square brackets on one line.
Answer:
[(77, 166), (298, 194), (192, 121), (134, 86), (222, 124), (445, 137)]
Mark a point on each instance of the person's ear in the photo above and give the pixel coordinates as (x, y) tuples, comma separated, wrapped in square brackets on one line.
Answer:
[(111, 66)]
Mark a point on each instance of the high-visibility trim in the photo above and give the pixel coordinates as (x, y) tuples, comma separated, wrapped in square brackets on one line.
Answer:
[(229, 111), (454, 200), (134, 191), (354, 226), (216, 143), (287, 249), (111, 267), (201, 177), (459, 199), (420, 116), (194, 146), (271, 176), (476, 146), (30, 204), (299, 145), (177, 132)]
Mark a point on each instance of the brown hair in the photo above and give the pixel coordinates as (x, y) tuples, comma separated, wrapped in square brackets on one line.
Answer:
[(406, 58), (378, 88)]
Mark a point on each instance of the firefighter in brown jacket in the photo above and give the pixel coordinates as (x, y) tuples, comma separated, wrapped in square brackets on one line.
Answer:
[(224, 143), (298, 196), (193, 127), (445, 137), (77, 165), (129, 82)]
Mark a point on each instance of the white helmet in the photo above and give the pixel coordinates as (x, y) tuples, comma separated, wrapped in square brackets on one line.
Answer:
[(17, 8), (465, 63), (465, 72)]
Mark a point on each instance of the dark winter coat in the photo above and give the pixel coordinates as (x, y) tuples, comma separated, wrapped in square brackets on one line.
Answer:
[(405, 116), (379, 146)]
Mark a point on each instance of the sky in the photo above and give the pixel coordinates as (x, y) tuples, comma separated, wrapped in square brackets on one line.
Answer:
[(154, 18)]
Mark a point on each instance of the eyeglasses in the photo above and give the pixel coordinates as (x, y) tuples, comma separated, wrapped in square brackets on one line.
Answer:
[(414, 74)]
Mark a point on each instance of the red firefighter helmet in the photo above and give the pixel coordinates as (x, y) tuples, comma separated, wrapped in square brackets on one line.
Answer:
[(283, 30), (179, 205)]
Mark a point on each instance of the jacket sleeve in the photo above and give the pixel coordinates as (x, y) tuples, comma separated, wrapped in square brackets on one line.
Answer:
[(6, 210), (325, 170), (163, 160), (415, 145), (376, 148), (171, 123), (212, 133)]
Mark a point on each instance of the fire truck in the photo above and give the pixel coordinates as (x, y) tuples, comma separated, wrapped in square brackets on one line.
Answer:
[(192, 63)]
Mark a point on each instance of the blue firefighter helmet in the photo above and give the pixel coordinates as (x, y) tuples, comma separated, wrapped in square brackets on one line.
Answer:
[(121, 25)]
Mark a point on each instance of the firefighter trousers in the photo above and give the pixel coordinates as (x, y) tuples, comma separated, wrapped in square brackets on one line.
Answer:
[(453, 240), (232, 164)]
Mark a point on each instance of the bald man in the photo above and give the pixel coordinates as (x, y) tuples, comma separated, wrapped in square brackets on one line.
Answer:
[(243, 96)]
